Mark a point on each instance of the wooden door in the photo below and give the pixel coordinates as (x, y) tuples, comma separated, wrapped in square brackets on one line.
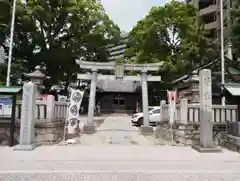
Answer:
[(118, 104)]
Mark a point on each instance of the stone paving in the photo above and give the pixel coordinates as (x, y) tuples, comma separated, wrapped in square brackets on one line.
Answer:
[(116, 129), (117, 152), (97, 119), (118, 163)]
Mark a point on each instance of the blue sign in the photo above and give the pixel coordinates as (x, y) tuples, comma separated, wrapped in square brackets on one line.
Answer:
[(5, 106)]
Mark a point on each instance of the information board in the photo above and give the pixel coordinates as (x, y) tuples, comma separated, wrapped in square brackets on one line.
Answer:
[(5, 106)]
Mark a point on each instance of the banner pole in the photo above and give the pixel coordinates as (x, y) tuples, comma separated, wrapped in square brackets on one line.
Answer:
[(65, 124)]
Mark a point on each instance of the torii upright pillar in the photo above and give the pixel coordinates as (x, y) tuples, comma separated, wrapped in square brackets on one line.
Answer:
[(90, 126), (145, 127)]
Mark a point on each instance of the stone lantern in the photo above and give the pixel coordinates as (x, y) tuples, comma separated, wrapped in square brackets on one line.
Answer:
[(193, 87), (37, 77), (57, 87)]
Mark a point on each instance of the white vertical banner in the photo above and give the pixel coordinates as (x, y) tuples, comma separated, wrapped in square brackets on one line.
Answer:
[(73, 117), (172, 99)]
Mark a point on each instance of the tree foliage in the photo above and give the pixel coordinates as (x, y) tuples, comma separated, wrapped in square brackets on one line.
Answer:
[(235, 27), (4, 19), (54, 33), (173, 34)]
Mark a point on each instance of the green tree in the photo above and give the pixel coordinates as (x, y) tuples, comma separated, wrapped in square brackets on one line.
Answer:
[(173, 34), (54, 33), (4, 19), (235, 26)]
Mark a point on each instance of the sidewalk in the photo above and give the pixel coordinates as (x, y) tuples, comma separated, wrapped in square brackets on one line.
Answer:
[(117, 162)]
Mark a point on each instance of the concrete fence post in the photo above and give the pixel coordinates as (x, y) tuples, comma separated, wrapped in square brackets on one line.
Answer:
[(180, 135), (50, 101), (162, 103), (183, 111)]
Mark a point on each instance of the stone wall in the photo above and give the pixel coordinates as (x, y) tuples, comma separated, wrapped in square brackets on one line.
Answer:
[(230, 142), (46, 133), (187, 134)]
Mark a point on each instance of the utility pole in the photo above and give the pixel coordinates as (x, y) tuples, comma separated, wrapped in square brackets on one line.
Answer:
[(11, 44), (222, 49)]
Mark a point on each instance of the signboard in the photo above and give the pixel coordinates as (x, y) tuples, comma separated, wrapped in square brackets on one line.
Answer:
[(5, 106)]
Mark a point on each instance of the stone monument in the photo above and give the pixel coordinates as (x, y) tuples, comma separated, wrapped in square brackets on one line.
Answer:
[(206, 143), (27, 127)]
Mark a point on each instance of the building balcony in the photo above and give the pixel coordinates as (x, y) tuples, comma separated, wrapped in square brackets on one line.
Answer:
[(212, 25), (116, 57), (113, 53), (209, 9), (116, 47)]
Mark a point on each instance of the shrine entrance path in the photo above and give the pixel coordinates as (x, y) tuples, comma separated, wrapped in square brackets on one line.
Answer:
[(116, 130)]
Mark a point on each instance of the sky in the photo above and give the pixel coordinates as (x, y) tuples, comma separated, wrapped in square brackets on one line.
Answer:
[(126, 13)]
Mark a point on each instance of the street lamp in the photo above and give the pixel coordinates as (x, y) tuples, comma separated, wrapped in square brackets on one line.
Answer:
[(222, 49), (11, 44)]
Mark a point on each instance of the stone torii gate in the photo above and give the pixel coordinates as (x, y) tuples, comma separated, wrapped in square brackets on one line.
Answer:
[(119, 74)]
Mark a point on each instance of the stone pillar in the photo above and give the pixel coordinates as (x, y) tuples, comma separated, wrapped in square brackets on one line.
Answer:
[(206, 126), (27, 127), (181, 133), (89, 128), (183, 111), (145, 128), (162, 103), (50, 108)]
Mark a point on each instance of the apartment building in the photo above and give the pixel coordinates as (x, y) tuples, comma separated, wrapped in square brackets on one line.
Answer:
[(209, 11), (117, 51)]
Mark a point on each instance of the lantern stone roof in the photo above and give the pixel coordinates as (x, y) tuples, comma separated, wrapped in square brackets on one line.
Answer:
[(36, 74), (192, 78)]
